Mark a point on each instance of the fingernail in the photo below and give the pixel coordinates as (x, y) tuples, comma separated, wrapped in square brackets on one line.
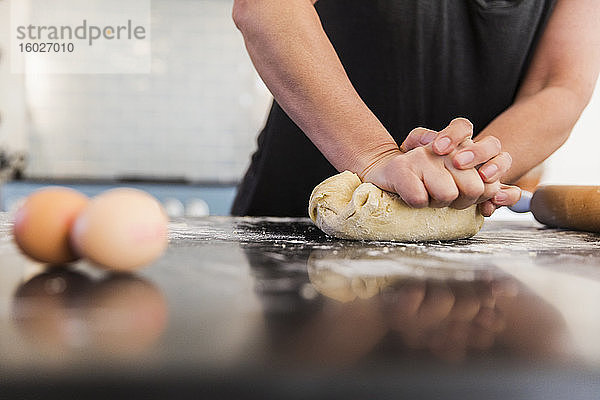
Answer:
[(465, 157), (428, 137), (489, 170), (442, 144), (500, 197)]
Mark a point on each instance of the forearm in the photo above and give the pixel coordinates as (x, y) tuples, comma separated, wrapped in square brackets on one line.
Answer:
[(298, 63), (534, 127), (555, 90)]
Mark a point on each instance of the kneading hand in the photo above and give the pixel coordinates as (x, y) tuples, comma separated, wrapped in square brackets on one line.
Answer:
[(422, 178), (486, 155)]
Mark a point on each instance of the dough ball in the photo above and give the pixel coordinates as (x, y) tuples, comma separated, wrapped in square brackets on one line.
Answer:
[(344, 207)]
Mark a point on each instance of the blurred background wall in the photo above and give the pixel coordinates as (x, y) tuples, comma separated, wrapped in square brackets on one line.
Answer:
[(194, 119)]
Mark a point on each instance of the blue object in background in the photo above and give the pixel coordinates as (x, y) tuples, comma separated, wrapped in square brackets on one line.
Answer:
[(178, 199)]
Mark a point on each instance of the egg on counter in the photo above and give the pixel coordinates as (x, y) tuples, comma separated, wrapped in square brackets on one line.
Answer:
[(121, 229), (42, 224)]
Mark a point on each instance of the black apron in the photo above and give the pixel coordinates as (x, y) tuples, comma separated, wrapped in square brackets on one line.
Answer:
[(414, 63)]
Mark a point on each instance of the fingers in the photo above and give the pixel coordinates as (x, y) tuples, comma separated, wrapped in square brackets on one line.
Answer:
[(420, 176), (466, 305), (490, 320), (436, 306), (487, 208), (441, 187), (507, 195), (481, 339), (473, 154), (459, 130), (396, 175), (404, 303), (469, 184), (497, 195), (411, 189), (496, 167), (470, 191), (489, 191), (418, 137)]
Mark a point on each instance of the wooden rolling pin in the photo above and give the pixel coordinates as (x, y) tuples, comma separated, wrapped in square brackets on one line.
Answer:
[(566, 207)]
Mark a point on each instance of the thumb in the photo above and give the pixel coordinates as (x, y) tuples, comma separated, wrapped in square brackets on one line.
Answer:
[(418, 137)]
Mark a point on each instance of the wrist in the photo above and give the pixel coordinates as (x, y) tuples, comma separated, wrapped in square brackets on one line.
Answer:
[(380, 155)]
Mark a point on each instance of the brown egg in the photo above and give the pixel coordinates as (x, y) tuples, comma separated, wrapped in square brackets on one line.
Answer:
[(121, 229), (43, 222)]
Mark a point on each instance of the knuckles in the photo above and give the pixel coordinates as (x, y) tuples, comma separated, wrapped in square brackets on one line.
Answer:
[(514, 194), (447, 197), (473, 190), (462, 123), (416, 200), (495, 143), (417, 131), (490, 190), (420, 154), (507, 160)]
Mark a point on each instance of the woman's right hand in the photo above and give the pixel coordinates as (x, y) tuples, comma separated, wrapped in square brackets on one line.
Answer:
[(486, 155)]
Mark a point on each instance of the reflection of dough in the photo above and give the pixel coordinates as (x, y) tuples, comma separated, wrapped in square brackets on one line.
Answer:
[(342, 288), (344, 207)]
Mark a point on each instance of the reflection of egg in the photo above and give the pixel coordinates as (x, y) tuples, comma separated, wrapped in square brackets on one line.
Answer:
[(63, 312), (43, 222), (126, 315), (43, 310), (121, 229)]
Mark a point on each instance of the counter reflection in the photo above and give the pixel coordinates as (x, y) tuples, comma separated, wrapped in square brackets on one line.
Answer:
[(63, 312), (367, 308)]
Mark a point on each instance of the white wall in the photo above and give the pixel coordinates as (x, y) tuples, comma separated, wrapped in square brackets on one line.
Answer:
[(577, 162), (12, 89), (196, 116)]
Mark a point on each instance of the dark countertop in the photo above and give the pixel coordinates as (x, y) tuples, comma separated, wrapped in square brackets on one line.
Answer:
[(246, 307)]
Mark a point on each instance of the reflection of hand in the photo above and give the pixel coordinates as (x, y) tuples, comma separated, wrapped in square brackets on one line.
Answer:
[(364, 272), (445, 317), (119, 315)]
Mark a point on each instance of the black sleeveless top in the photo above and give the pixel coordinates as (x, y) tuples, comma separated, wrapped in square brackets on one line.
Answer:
[(414, 63)]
